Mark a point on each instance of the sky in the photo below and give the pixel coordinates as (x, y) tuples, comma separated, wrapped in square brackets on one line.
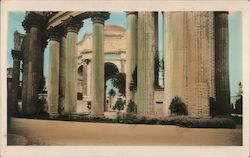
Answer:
[(119, 18)]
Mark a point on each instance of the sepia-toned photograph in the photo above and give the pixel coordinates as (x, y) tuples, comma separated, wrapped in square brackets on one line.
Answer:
[(124, 78)]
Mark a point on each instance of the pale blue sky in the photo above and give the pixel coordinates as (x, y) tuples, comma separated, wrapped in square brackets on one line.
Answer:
[(119, 18)]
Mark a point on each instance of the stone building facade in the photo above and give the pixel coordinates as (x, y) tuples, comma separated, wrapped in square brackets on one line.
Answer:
[(195, 49)]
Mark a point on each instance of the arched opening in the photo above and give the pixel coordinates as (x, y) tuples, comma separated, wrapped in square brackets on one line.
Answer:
[(80, 71), (81, 82), (110, 91)]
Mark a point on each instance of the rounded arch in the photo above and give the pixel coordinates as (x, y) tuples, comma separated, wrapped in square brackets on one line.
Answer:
[(110, 70), (80, 70)]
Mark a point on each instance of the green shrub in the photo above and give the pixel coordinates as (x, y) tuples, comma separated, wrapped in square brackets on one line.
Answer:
[(178, 107), (119, 105), (132, 107), (130, 118)]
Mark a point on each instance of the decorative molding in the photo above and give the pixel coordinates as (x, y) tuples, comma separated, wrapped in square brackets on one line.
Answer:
[(34, 19), (99, 17), (73, 24)]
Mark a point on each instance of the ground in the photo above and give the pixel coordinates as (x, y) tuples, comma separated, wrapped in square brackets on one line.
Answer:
[(48, 132)]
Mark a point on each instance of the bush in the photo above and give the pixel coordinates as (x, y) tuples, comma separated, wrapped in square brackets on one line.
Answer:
[(132, 107), (178, 107), (130, 118), (119, 105), (205, 122)]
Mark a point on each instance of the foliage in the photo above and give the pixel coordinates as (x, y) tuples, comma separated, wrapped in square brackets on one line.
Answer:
[(133, 83), (38, 108), (238, 105), (41, 84), (119, 105), (130, 118), (119, 81), (156, 70), (112, 92), (132, 108), (178, 107)]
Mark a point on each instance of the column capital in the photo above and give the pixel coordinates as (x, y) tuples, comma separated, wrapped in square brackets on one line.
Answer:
[(131, 12), (99, 17), (33, 19), (16, 54), (54, 33), (73, 24)]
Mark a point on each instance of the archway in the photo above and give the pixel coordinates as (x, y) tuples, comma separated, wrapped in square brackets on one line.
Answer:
[(110, 70)]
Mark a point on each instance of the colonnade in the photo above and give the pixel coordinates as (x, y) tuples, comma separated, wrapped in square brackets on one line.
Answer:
[(196, 53)]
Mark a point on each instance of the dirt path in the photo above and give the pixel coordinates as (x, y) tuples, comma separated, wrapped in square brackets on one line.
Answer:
[(44, 132)]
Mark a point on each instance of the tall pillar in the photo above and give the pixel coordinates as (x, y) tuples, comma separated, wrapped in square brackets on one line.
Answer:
[(189, 48), (84, 77), (53, 81), (62, 74), (97, 90), (175, 57), (145, 71), (89, 67), (131, 54), (34, 24), (25, 71), (73, 25), (17, 56), (222, 61)]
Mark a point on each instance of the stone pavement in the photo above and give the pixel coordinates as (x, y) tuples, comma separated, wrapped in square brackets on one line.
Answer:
[(45, 132)]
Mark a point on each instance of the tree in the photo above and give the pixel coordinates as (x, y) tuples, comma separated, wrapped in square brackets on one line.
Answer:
[(119, 81), (133, 83), (178, 107), (132, 108), (119, 105), (238, 104), (111, 94)]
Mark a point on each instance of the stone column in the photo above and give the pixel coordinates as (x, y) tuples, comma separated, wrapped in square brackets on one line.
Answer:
[(97, 90), (145, 71), (73, 25), (84, 77), (53, 81), (62, 74), (189, 56), (222, 61), (89, 67), (131, 54), (175, 57), (34, 24), (25, 71), (17, 57)]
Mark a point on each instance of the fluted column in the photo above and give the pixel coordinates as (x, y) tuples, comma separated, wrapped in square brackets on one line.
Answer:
[(53, 81), (34, 24), (189, 51), (222, 62), (97, 90), (73, 25), (131, 54), (17, 56), (62, 70), (145, 71), (175, 57), (84, 77)]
